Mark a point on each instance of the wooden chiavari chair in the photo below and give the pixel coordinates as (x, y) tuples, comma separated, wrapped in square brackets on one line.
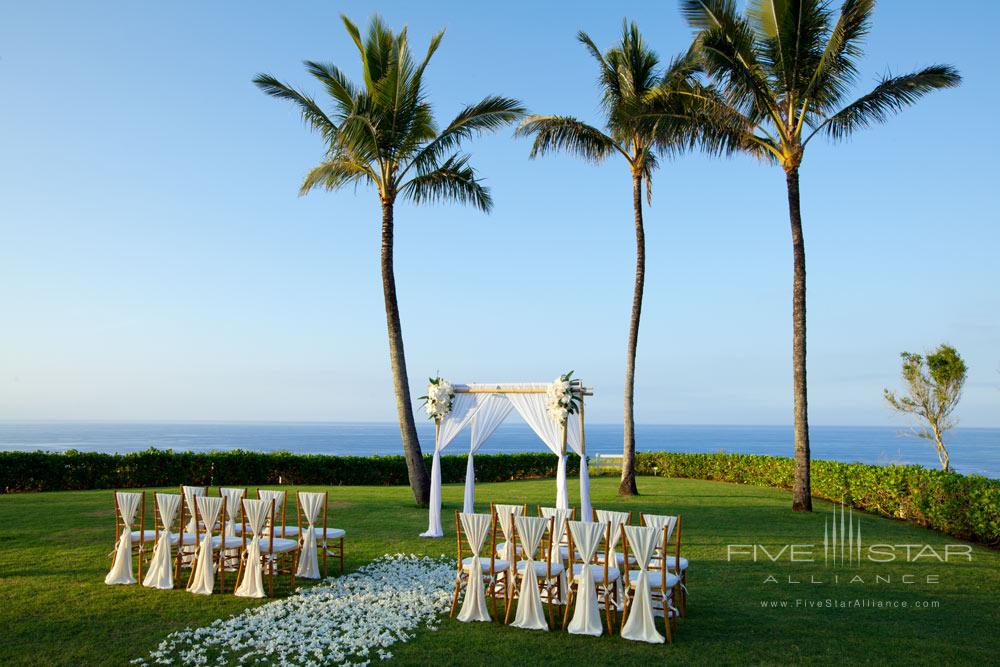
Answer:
[(475, 528), (313, 515), (503, 526), (561, 547), (615, 520), (605, 576), (532, 533), (128, 542), (663, 584), (675, 563)]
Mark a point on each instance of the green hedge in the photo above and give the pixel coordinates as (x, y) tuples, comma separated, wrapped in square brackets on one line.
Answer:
[(73, 471), (964, 506)]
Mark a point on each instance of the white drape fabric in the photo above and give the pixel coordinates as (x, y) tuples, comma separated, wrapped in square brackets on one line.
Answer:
[(585, 507), (161, 566), (476, 527), (312, 505), (203, 579), (530, 615), (121, 568), (640, 625), (233, 499), (504, 513), (586, 615), (258, 513), (463, 407), (190, 493), (616, 519), (492, 410), (559, 552), (532, 409), (278, 497)]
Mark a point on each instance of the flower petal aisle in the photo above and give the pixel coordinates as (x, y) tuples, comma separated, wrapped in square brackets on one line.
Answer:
[(348, 620)]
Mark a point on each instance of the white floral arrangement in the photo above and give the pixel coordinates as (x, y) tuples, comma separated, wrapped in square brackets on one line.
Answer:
[(563, 398), (440, 395), (350, 620)]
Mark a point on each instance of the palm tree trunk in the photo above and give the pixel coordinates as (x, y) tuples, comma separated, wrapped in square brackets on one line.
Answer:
[(801, 492), (419, 480), (627, 486)]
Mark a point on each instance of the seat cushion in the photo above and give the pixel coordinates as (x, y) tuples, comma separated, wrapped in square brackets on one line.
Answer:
[(289, 531), (502, 548), (190, 539), (331, 533), (484, 563), (671, 563), (281, 545), (655, 577), (613, 572), (230, 542), (147, 535), (556, 568), (620, 558)]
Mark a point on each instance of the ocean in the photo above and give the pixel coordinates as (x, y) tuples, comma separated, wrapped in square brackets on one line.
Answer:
[(973, 450)]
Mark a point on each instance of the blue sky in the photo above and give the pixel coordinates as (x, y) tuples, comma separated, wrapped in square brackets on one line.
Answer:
[(156, 263)]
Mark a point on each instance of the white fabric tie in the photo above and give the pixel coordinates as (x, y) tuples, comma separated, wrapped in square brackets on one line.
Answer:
[(586, 615), (121, 568), (311, 504), (530, 615), (640, 625), (203, 579), (474, 608), (161, 570), (252, 585)]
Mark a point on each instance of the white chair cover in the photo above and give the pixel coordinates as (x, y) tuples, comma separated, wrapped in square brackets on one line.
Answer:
[(161, 566), (492, 411), (476, 526), (312, 504), (530, 615), (233, 498), (203, 580), (586, 615), (121, 568), (258, 513), (504, 513), (463, 407), (190, 493), (640, 625), (559, 524), (616, 519)]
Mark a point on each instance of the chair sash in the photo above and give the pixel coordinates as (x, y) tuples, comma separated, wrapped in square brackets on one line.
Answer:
[(640, 625), (258, 512), (279, 503), (615, 519), (161, 566), (586, 616), (529, 608), (311, 504), (190, 493), (558, 526), (203, 578), (661, 521), (121, 568), (504, 514), (475, 526), (233, 498)]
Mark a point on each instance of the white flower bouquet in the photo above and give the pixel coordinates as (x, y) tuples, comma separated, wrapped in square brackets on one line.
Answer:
[(440, 395), (563, 398)]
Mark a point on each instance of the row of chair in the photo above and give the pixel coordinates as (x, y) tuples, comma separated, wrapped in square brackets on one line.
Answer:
[(214, 535), (604, 561)]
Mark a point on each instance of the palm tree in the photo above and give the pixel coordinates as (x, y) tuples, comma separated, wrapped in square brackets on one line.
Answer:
[(381, 132), (785, 69), (645, 107)]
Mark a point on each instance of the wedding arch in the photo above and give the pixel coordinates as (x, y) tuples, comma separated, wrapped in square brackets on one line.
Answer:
[(554, 411)]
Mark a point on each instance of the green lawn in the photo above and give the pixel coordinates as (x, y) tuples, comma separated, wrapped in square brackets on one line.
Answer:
[(56, 609)]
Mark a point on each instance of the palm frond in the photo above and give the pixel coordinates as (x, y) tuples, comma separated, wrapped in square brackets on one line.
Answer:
[(337, 84), (336, 173), (453, 180), (312, 114), (567, 133), (889, 97), (837, 67)]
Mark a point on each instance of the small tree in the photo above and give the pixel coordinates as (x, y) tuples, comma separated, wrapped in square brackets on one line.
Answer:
[(934, 387)]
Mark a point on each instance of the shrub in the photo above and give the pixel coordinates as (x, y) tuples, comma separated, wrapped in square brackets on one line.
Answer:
[(965, 506)]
